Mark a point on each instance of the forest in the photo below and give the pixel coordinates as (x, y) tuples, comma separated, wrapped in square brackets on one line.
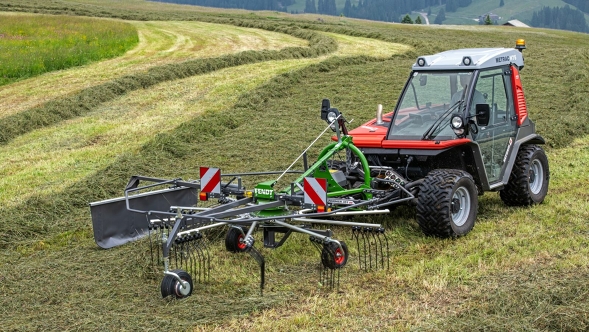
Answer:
[(564, 18), (378, 10), (240, 4)]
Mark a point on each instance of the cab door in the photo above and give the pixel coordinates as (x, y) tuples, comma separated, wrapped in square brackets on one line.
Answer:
[(498, 136)]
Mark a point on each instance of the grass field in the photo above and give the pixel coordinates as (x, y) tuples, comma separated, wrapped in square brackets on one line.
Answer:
[(32, 46), (255, 109)]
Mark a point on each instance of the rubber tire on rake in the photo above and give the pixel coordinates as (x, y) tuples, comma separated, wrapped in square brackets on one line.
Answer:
[(171, 286), (528, 181), (332, 256), (447, 203), (233, 240)]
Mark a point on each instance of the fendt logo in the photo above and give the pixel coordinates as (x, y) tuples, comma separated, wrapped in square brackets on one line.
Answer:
[(259, 191)]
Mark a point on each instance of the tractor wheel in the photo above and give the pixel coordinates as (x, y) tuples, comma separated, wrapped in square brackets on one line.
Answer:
[(528, 181), (447, 203), (334, 257), (171, 286), (234, 240)]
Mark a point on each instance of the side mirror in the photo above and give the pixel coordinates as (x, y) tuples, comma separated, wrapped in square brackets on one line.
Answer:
[(483, 114), (325, 106)]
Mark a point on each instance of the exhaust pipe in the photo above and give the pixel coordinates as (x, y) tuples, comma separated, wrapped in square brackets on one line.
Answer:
[(379, 115)]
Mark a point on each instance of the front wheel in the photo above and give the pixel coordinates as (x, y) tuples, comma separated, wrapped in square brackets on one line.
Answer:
[(528, 181), (447, 203)]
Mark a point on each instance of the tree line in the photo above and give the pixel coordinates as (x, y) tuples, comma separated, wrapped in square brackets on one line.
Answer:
[(386, 10), (564, 18), (378, 10), (280, 5), (582, 5)]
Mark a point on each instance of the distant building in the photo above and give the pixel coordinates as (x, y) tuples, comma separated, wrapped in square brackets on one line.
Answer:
[(494, 18), (516, 23)]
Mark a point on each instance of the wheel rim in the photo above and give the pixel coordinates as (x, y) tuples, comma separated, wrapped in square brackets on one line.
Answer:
[(182, 292), (460, 206), (338, 257), (240, 243), (536, 177)]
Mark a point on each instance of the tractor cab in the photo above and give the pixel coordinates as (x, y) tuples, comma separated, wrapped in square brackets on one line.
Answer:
[(460, 109)]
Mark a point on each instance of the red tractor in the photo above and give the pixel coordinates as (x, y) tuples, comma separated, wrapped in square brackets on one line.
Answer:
[(460, 128)]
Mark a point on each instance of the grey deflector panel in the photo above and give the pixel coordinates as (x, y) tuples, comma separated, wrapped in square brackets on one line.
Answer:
[(114, 225)]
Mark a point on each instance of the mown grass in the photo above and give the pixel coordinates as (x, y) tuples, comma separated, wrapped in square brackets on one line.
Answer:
[(160, 43), (84, 100), (524, 266), (56, 157), (33, 45)]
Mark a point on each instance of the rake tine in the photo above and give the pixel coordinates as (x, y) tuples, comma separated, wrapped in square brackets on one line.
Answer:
[(382, 234), (160, 236), (201, 257), (387, 247), (367, 235), (374, 236), (378, 237), (365, 250), (149, 235), (201, 244), (355, 237), (193, 257)]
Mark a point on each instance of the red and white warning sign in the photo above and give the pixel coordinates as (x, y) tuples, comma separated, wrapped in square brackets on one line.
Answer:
[(315, 191), (210, 180)]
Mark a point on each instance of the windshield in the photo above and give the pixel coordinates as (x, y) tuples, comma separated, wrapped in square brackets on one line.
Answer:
[(425, 109)]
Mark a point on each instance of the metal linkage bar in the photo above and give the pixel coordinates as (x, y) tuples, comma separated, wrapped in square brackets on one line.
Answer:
[(335, 222)]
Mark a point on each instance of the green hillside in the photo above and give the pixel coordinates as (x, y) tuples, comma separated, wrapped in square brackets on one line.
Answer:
[(512, 9), (242, 90)]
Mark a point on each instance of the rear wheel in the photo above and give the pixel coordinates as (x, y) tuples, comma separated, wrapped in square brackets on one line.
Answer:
[(447, 203), (334, 257), (528, 181), (234, 240)]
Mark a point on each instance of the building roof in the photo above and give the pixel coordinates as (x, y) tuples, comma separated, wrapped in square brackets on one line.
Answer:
[(516, 23)]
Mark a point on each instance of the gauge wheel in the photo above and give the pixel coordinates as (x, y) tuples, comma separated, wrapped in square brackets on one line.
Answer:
[(334, 257), (234, 240), (171, 286)]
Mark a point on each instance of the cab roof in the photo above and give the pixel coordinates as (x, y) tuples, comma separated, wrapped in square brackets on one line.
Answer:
[(470, 59)]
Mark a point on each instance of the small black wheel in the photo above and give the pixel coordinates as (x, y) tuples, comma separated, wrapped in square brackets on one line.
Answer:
[(528, 181), (334, 257), (171, 286), (234, 240), (447, 203)]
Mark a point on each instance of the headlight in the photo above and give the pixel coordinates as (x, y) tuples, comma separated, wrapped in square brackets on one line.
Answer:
[(457, 125), (457, 122), (331, 116)]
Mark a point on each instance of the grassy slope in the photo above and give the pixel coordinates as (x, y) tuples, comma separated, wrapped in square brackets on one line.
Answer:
[(518, 265)]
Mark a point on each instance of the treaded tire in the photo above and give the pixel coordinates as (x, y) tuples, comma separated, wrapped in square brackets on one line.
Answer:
[(447, 203), (332, 256), (171, 286), (528, 181), (233, 240)]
